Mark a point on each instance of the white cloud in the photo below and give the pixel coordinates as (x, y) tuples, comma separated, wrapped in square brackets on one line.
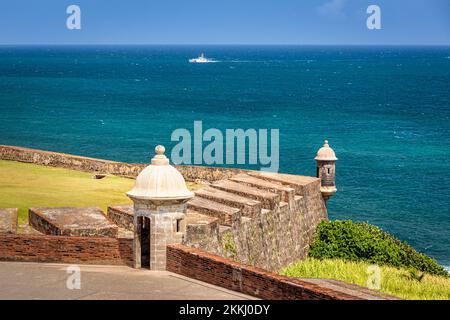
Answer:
[(332, 8)]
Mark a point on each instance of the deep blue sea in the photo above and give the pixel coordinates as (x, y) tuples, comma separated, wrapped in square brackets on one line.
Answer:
[(385, 111)]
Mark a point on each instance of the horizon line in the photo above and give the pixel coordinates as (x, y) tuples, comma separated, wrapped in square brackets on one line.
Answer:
[(234, 44)]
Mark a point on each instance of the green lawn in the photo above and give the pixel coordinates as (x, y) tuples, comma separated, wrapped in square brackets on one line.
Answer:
[(24, 185), (396, 282)]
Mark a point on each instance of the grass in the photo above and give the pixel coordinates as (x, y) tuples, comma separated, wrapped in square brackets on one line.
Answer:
[(24, 185), (402, 283)]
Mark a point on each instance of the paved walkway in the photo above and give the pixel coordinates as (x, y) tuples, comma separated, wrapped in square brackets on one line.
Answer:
[(49, 281)]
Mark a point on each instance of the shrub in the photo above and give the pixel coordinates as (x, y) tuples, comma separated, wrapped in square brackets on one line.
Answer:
[(361, 241)]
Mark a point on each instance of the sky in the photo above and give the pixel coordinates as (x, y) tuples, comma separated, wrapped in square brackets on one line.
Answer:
[(301, 22)]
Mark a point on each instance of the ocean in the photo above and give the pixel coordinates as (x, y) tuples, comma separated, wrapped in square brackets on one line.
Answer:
[(385, 111)]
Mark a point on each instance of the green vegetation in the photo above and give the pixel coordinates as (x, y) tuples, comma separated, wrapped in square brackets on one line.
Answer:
[(394, 281), (364, 242), (24, 185), (345, 250)]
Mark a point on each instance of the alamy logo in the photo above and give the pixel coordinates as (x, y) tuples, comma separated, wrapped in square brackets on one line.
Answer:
[(73, 282), (74, 20), (231, 147), (374, 20), (374, 277)]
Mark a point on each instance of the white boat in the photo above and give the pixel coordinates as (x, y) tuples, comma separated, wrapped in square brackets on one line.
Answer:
[(201, 59)]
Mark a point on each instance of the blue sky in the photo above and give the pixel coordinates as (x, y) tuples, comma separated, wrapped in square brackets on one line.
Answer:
[(225, 22)]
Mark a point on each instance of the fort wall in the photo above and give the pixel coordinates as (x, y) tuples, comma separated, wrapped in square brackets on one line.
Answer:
[(66, 249), (129, 170), (197, 264), (273, 238), (270, 228)]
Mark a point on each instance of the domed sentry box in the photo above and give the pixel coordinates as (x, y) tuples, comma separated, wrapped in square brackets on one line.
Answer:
[(326, 170), (159, 196)]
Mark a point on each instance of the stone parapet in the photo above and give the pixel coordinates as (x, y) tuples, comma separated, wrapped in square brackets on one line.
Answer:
[(68, 221), (99, 166)]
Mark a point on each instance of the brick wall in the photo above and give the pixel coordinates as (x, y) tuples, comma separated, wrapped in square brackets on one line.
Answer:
[(253, 281), (83, 250)]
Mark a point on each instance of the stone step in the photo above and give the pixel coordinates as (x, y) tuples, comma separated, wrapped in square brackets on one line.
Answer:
[(225, 214), (200, 226), (296, 182), (284, 207), (249, 207), (269, 200), (286, 193), (298, 201)]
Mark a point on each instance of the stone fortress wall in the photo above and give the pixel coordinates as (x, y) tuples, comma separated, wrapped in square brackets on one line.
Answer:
[(263, 219), (275, 222), (128, 170)]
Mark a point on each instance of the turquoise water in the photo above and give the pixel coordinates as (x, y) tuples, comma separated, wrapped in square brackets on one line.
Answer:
[(385, 111)]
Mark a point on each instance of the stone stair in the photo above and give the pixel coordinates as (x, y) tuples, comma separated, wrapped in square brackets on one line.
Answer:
[(268, 199), (286, 193), (248, 207), (225, 214), (246, 196), (253, 191), (288, 180)]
